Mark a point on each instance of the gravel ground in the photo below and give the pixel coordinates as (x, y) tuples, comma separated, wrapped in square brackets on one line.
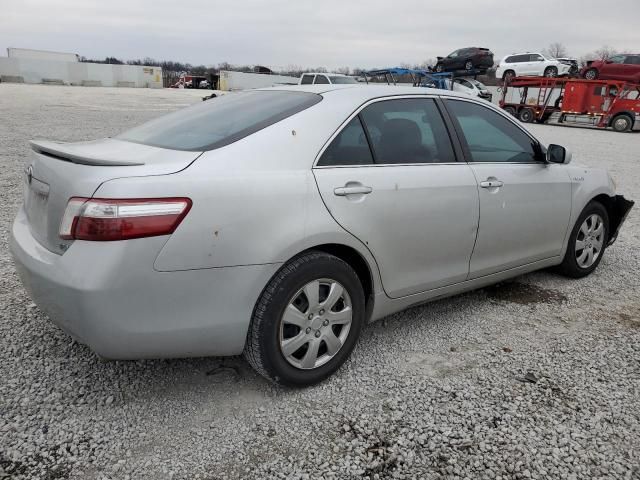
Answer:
[(536, 378)]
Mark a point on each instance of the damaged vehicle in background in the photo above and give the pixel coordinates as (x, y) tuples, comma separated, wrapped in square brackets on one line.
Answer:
[(619, 67), (266, 222), (531, 65), (472, 87), (470, 58)]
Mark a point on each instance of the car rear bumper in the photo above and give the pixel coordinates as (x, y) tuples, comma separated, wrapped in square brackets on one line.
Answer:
[(108, 296)]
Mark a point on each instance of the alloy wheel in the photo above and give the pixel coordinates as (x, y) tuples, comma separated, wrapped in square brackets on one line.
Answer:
[(315, 324), (589, 241)]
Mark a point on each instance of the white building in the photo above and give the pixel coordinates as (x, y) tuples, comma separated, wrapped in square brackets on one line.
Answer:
[(57, 68)]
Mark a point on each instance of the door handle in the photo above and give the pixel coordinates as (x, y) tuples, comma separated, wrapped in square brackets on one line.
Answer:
[(491, 184), (353, 190)]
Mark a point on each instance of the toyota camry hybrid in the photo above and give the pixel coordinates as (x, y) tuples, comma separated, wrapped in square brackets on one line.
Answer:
[(278, 222)]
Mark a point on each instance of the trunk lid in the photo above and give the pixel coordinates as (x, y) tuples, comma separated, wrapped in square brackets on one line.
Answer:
[(58, 171)]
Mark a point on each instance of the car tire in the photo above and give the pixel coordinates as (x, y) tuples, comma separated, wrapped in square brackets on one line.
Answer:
[(511, 111), (468, 65), (526, 115), (439, 68), (284, 312), (508, 75), (574, 264), (551, 72), (622, 123), (591, 74)]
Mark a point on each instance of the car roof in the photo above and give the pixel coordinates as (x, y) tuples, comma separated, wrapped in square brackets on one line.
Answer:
[(365, 92), (326, 73)]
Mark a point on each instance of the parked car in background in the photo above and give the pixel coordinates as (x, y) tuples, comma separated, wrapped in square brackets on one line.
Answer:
[(530, 64), (267, 222), (470, 58), (325, 78), (472, 87), (625, 66)]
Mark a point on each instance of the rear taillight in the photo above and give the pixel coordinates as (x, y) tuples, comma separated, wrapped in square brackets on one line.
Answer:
[(101, 219)]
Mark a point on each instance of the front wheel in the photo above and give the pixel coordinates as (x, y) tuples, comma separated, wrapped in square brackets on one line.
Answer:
[(551, 72), (587, 242), (591, 74), (468, 66), (622, 123), (307, 320), (439, 68)]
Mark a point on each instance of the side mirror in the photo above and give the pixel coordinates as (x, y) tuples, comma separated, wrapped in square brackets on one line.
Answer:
[(608, 61), (558, 154)]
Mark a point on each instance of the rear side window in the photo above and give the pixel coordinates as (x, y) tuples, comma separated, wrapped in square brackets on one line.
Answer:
[(307, 80), (350, 147), (407, 131), (489, 136), (633, 60), (220, 121), (321, 79)]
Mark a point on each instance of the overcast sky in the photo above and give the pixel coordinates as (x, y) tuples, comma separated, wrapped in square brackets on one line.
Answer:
[(331, 33)]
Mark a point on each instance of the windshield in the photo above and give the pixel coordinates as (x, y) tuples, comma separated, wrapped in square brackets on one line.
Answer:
[(220, 121), (342, 80)]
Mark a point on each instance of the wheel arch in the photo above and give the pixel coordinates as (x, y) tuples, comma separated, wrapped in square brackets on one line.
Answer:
[(357, 261), (627, 113), (615, 210)]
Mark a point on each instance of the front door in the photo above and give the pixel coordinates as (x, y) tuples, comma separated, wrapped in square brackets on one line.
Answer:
[(391, 179), (525, 203)]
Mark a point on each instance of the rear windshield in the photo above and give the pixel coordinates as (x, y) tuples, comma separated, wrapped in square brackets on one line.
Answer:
[(221, 120)]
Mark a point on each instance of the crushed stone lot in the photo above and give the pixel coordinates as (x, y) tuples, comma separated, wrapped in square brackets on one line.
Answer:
[(535, 378)]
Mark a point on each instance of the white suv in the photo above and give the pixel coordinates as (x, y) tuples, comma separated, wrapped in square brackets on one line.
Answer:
[(530, 64)]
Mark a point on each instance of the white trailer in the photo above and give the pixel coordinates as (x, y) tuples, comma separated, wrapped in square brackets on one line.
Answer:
[(30, 54)]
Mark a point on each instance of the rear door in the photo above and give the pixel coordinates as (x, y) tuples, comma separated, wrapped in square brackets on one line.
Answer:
[(390, 177), (632, 68), (524, 203)]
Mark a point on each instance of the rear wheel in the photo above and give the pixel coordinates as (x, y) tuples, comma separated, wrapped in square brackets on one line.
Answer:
[(307, 320), (439, 68), (587, 242), (526, 115), (591, 74), (622, 123), (469, 65), (510, 110), (551, 72)]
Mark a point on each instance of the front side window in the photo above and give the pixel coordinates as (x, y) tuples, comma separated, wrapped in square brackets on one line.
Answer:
[(321, 79), (617, 59), (350, 147), (220, 121), (536, 58), (407, 131), (489, 136), (307, 80), (454, 54)]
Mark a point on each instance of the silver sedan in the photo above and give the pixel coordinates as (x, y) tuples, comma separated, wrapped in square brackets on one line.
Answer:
[(278, 222)]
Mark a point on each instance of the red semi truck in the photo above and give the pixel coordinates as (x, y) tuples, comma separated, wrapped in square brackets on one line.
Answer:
[(591, 103)]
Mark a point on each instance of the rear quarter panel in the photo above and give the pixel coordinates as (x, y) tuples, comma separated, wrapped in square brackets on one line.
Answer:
[(254, 202)]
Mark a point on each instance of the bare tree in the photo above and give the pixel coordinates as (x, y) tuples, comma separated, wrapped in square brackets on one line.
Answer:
[(343, 70), (605, 52), (556, 50)]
